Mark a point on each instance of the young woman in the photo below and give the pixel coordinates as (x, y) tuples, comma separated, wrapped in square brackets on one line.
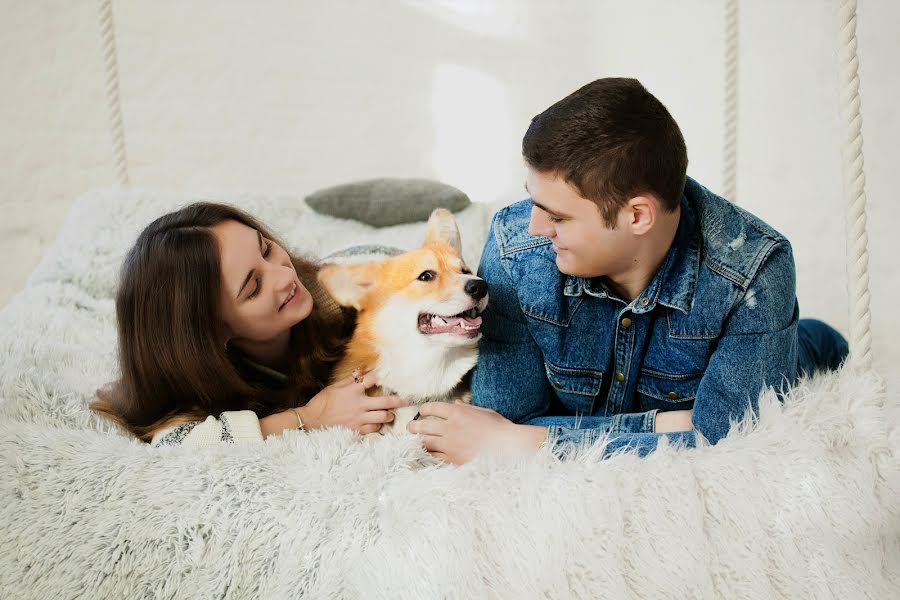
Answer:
[(225, 336)]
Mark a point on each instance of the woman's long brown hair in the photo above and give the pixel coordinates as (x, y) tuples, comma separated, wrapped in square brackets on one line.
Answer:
[(174, 365)]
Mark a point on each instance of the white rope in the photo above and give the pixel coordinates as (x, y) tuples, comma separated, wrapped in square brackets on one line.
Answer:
[(729, 167), (110, 59), (854, 188)]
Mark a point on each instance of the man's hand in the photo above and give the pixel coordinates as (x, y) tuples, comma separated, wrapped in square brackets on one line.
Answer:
[(462, 431), (673, 420)]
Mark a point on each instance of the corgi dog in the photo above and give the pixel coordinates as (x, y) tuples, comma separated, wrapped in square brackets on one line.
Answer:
[(418, 320)]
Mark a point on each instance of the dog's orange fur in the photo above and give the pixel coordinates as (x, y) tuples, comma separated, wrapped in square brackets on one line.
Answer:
[(369, 286), (390, 278)]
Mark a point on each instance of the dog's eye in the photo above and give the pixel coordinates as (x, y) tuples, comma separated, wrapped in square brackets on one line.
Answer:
[(426, 276), (466, 271)]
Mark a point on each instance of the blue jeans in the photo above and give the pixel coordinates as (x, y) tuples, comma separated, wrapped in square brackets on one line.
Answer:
[(820, 347)]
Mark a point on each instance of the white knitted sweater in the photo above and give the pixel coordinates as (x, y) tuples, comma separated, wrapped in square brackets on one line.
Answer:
[(231, 427)]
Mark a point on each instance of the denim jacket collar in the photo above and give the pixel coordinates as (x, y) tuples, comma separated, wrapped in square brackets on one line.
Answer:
[(674, 282)]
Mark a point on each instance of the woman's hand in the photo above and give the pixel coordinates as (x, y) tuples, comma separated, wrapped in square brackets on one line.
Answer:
[(346, 403), (673, 420)]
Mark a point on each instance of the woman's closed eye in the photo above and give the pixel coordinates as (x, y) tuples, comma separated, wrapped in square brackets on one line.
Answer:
[(265, 254)]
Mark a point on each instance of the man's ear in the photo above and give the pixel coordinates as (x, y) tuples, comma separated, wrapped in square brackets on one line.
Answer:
[(442, 228), (348, 284), (642, 213)]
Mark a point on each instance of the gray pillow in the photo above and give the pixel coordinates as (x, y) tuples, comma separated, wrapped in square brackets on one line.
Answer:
[(387, 201)]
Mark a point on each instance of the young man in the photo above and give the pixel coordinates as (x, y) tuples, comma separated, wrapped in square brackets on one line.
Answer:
[(626, 298)]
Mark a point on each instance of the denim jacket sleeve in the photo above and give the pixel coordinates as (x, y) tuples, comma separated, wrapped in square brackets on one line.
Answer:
[(758, 349)]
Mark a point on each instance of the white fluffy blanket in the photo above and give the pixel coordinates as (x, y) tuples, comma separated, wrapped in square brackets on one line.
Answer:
[(803, 503)]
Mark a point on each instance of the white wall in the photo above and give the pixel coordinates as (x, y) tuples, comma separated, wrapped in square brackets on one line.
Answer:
[(292, 96)]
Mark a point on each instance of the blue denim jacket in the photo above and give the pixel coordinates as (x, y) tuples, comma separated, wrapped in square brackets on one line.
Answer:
[(717, 322)]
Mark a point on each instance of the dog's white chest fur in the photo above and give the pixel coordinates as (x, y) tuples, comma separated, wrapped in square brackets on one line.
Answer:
[(419, 370)]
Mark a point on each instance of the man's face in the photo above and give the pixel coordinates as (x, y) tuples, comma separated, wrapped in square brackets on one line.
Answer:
[(585, 246)]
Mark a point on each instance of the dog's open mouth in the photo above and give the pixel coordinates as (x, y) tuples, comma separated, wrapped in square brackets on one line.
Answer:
[(467, 323)]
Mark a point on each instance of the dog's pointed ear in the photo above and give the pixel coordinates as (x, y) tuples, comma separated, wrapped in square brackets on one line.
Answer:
[(442, 228), (348, 284)]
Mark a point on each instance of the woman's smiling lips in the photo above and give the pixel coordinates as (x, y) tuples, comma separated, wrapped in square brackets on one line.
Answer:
[(291, 299)]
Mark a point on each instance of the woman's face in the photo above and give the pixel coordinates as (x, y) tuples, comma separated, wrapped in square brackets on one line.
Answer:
[(261, 294)]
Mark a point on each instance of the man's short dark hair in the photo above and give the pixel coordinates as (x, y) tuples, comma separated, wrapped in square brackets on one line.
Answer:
[(612, 140)]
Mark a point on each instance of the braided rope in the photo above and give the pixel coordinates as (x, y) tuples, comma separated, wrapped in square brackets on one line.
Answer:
[(110, 59), (729, 175), (854, 188)]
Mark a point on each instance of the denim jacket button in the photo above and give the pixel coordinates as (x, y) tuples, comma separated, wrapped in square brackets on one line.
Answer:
[(626, 323), (645, 301), (557, 384), (672, 396), (620, 376)]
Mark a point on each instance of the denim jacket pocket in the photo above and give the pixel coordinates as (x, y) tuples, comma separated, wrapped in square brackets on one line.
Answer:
[(665, 391), (575, 388)]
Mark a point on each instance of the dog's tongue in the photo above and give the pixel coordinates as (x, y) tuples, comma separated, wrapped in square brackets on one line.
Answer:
[(441, 328), (472, 322)]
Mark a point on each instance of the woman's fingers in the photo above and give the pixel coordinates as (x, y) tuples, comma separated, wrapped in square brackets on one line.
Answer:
[(369, 428), (384, 402), (368, 380), (357, 377), (379, 416)]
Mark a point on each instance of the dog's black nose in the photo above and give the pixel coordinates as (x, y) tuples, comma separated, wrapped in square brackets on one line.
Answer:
[(476, 288)]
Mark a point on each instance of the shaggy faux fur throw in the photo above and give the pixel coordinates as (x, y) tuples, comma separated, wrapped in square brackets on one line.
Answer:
[(802, 501)]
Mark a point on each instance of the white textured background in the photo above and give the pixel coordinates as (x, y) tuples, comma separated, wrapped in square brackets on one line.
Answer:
[(287, 97)]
